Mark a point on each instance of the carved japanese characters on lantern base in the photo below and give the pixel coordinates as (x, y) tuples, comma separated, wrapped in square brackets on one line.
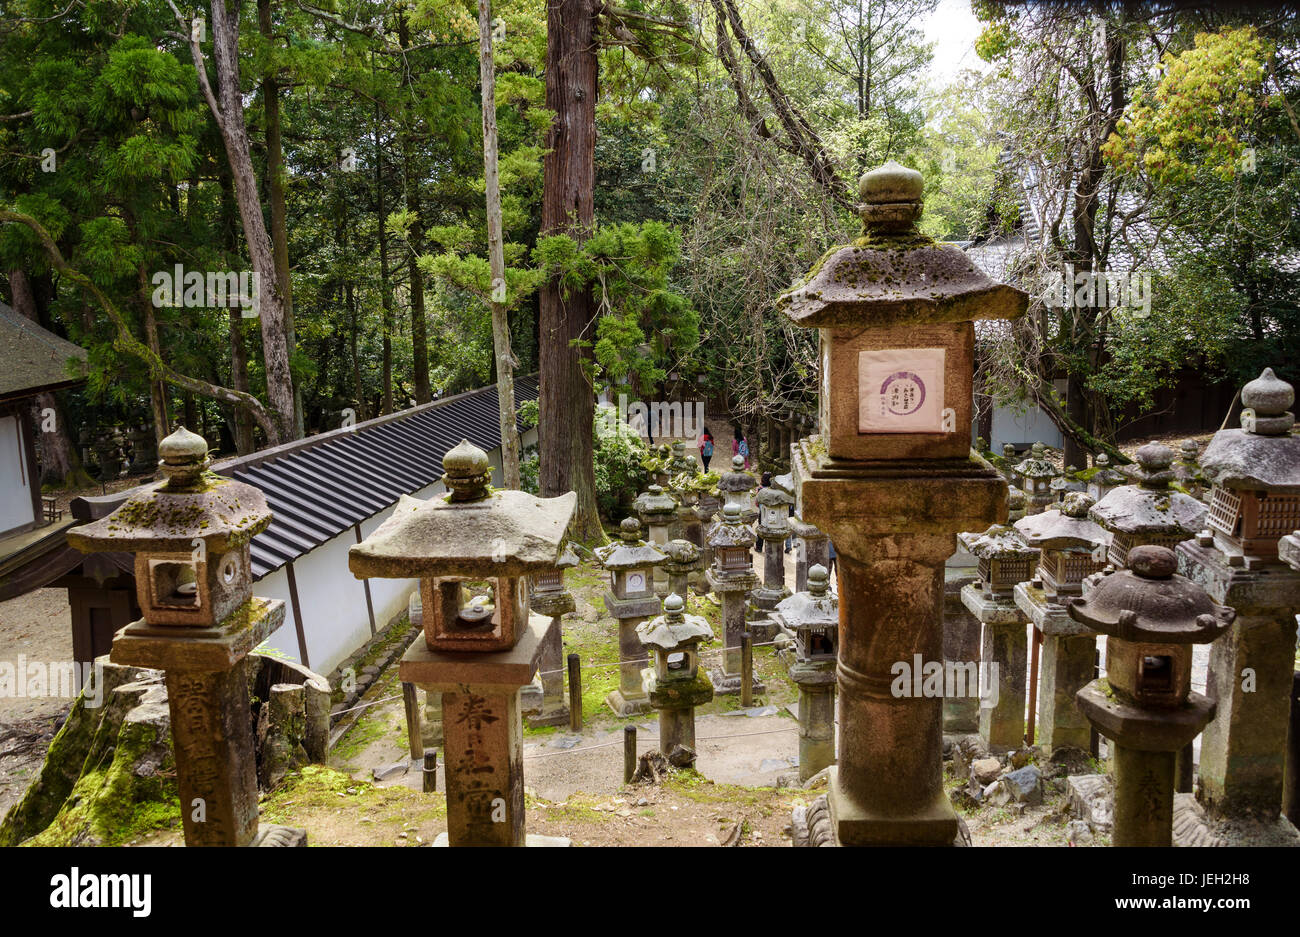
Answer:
[(480, 647), (191, 535)]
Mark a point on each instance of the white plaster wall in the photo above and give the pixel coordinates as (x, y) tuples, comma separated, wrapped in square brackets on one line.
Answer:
[(15, 483), (333, 601)]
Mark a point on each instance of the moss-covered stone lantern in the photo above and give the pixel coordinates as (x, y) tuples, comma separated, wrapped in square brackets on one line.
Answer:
[(814, 618), (658, 513), (1149, 513), (737, 487), (1187, 468), (674, 684), (1254, 502), (732, 577), (478, 648), (544, 702), (1004, 560), (890, 478), (1035, 474), (1103, 477), (1151, 617), (190, 535), (631, 563), (1071, 547)]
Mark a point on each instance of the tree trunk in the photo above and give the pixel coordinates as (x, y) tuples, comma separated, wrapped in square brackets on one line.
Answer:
[(228, 112), (385, 289), (275, 186), (496, 254), (419, 327), (58, 458), (567, 399)]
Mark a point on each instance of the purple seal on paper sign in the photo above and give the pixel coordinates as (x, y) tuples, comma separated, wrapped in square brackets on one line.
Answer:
[(902, 393)]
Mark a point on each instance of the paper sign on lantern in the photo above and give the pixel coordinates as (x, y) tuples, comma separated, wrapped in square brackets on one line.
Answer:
[(900, 390)]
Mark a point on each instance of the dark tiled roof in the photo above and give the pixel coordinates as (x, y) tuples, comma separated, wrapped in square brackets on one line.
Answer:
[(33, 359), (320, 486)]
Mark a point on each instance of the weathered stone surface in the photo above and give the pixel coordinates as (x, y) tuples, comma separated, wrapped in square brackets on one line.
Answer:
[(1023, 786), (985, 771), (1091, 800), (512, 533)]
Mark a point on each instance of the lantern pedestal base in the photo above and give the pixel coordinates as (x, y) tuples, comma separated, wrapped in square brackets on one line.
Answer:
[(856, 825), (961, 645), (1194, 827), (1004, 652), (623, 706), (1067, 664), (816, 683), (726, 684)]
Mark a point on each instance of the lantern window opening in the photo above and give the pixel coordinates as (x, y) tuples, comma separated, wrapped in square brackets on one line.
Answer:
[(1156, 674), (175, 583)]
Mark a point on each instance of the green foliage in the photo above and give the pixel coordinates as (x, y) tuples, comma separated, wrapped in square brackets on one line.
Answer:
[(618, 453)]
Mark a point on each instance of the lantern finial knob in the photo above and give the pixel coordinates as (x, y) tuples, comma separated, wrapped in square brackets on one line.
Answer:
[(1152, 562), (1268, 397), (630, 529), (184, 456), (1154, 460), (467, 472), (819, 580), (674, 606), (891, 198)]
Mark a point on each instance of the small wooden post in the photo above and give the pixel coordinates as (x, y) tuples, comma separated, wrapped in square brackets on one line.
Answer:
[(1035, 646), (411, 703), (746, 671), (431, 771), (629, 753), (575, 693)]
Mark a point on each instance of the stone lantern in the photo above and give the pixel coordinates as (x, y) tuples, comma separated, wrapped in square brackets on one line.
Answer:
[(732, 577), (1145, 705), (1036, 473), (674, 684), (478, 650), (1071, 547), (1104, 477), (890, 478), (1187, 468), (631, 563), (1004, 561), (1062, 485), (144, 451), (1148, 513), (1254, 503), (1009, 460), (544, 702), (658, 513), (683, 560), (814, 618), (190, 534), (773, 529), (812, 548), (736, 487)]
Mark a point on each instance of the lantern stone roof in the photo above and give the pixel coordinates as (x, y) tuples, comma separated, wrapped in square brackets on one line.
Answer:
[(1068, 528), (814, 610), (190, 504), (472, 531), (674, 629), (682, 552), (996, 543), (1036, 464), (1266, 457), (630, 551), (771, 497), (655, 501), (785, 483), (894, 275), (1150, 602), (1150, 506), (737, 479), (730, 532), (568, 559)]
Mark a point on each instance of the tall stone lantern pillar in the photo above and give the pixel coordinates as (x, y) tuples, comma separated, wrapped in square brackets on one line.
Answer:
[(1071, 547), (478, 649), (891, 480), (814, 618), (190, 535), (658, 513), (732, 577), (544, 702), (812, 548), (1254, 501), (1146, 705), (631, 599), (1005, 561)]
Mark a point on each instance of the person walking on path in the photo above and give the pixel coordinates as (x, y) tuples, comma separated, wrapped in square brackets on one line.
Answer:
[(705, 443), (740, 446)]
